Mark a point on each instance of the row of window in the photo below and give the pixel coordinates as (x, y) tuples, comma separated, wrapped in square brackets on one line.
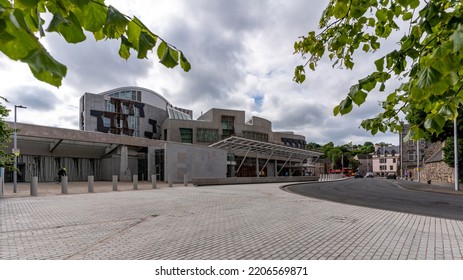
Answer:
[(134, 95), (125, 108), (383, 160), (411, 143), (384, 167), (209, 135)]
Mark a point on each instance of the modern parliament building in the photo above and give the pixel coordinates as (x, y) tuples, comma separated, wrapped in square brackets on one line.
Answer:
[(135, 131)]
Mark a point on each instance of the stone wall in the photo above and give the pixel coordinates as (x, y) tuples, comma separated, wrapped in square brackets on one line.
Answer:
[(438, 172)]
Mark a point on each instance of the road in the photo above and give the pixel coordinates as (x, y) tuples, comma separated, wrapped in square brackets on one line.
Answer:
[(385, 194)]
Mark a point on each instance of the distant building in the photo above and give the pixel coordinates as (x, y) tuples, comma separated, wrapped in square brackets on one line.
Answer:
[(386, 160), (321, 166), (365, 163), (422, 160)]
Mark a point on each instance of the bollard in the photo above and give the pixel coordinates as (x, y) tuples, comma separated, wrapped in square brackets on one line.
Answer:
[(169, 179), (185, 180), (91, 183), (114, 182), (135, 182), (153, 181), (64, 184), (34, 185)]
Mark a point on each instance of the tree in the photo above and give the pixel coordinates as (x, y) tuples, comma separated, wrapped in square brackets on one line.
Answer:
[(21, 25), (449, 154), (428, 58), (334, 154), (416, 117), (6, 159), (313, 146)]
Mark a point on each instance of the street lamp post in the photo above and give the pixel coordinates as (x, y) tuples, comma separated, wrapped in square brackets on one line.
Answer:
[(15, 150), (455, 150)]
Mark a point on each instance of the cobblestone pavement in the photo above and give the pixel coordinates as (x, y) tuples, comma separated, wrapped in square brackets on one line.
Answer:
[(217, 222)]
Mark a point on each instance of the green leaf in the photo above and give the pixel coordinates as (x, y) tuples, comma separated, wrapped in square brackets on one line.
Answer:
[(170, 58), (146, 43), (94, 16), (162, 49), (45, 67), (345, 106), (69, 28), (186, 66), (447, 111), (366, 47), (133, 33), (336, 110), (382, 87), (368, 83), (359, 97), (299, 74), (428, 77), (457, 38), (124, 50), (26, 3), (380, 64), (340, 9), (407, 16), (115, 24), (434, 123)]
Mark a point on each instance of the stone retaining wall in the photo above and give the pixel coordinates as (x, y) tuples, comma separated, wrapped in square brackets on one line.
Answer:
[(438, 172)]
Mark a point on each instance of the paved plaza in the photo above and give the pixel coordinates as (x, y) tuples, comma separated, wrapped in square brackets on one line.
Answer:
[(258, 221)]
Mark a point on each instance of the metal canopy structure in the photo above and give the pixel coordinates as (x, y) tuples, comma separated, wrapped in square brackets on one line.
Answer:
[(247, 147), (263, 149)]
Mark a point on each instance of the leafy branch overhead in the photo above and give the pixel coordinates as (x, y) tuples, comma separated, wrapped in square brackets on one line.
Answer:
[(21, 25), (428, 58)]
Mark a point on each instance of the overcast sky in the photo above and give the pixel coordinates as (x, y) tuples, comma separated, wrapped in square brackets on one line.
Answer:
[(242, 58)]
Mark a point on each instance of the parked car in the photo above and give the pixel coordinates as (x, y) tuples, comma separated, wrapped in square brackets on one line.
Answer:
[(369, 175), (391, 176), (358, 175)]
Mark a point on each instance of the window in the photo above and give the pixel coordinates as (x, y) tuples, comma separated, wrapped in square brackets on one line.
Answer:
[(109, 106), (391, 167), (256, 136), (411, 143), (393, 160), (207, 135), (106, 122), (411, 155), (228, 126), (382, 160), (186, 135)]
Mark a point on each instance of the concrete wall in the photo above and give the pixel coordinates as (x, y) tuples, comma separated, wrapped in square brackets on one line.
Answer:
[(195, 161), (212, 119), (251, 180)]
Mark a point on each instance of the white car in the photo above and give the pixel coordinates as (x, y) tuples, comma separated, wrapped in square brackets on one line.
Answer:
[(369, 175)]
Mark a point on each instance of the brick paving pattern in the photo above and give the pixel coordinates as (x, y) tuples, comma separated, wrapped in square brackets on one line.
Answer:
[(218, 222)]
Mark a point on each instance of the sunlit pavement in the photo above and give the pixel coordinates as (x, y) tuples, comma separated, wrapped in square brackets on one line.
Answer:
[(217, 222)]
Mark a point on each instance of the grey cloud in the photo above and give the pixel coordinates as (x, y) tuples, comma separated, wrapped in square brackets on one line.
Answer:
[(96, 64), (298, 116), (33, 98)]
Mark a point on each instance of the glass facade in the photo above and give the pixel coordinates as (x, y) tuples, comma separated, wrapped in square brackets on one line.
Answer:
[(256, 136), (207, 135), (227, 126), (186, 135), (134, 95)]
